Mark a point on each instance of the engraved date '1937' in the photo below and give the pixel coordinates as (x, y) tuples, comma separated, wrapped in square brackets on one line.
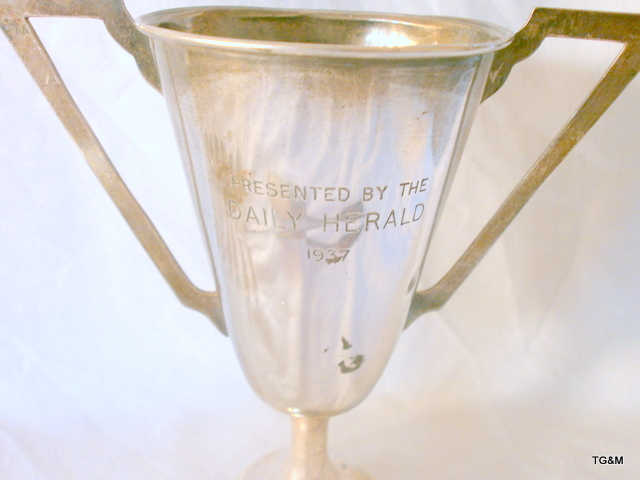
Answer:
[(328, 255)]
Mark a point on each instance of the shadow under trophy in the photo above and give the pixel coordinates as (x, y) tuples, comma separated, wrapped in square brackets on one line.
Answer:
[(319, 147)]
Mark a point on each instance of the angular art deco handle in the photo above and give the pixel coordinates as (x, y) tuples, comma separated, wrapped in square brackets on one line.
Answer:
[(544, 22), (14, 15)]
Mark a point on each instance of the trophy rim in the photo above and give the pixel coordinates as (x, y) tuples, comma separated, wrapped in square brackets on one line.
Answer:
[(151, 24)]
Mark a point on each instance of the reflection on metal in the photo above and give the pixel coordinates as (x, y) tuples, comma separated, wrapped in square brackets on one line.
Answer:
[(544, 22), (318, 161)]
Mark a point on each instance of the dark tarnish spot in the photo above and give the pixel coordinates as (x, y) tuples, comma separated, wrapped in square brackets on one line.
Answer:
[(346, 345), (355, 363), (326, 350), (333, 260)]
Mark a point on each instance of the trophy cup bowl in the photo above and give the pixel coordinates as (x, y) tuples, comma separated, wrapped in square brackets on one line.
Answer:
[(319, 147)]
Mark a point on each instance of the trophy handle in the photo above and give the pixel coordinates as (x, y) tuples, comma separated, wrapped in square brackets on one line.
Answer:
[(14, 21), (544, 22)]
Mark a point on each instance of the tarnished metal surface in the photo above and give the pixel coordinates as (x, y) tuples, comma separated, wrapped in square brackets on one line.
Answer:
[(318, 171)]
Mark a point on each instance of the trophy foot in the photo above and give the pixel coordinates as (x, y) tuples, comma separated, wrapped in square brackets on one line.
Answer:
[(278, 466)]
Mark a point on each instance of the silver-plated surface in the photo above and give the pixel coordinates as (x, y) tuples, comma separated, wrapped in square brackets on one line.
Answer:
[(317, 180), (325, 33)]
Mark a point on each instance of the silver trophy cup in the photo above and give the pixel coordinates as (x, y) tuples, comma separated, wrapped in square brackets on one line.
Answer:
[(319, 147)]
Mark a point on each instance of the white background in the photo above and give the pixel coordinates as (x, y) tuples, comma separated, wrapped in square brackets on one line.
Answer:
[(530, 370)]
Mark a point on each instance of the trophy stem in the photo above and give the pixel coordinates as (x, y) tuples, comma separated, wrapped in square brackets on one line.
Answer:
[(309, 459)]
